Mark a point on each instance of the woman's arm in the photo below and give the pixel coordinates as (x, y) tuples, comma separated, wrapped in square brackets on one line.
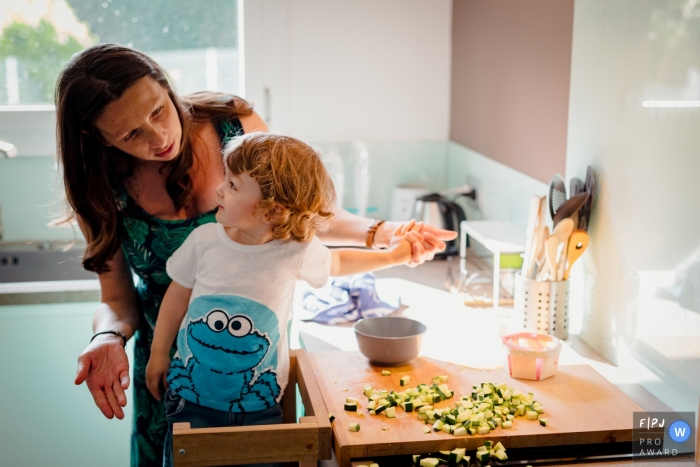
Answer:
[(170, 316), (253, 122), (350, 230), (104, 364)]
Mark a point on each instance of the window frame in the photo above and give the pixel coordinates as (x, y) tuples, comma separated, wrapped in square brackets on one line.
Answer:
[(31, 128)]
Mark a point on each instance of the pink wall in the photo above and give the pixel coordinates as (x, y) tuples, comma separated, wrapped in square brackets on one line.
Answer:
[(511, 63)]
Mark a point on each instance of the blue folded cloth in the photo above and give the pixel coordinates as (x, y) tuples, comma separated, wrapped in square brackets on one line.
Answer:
[(347, 299)]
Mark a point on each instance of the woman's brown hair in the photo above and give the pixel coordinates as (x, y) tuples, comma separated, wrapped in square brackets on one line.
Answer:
[(297, 192), (93, 172)]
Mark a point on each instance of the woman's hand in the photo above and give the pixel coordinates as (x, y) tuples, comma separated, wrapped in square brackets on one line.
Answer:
[(425, 240), (105, 367), (156, 373)]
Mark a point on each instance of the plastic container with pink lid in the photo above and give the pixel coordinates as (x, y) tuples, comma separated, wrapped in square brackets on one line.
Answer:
[(531, 356)]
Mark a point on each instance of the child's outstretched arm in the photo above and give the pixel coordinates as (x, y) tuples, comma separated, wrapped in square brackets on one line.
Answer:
[(172, 311), (346, 261)]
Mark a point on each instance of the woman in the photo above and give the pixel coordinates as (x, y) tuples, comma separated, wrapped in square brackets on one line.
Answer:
[(140, 166)]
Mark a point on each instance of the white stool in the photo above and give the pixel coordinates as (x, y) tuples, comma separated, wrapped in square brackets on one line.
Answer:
[(497, 237)]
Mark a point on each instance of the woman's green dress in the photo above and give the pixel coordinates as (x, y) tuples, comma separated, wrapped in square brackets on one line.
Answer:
[(149, 243)]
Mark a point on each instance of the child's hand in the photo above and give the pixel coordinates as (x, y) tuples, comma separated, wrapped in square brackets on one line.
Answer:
[(156, 373), (401, 243)]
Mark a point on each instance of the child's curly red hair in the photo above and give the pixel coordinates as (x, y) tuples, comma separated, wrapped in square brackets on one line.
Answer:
[(291, 175)]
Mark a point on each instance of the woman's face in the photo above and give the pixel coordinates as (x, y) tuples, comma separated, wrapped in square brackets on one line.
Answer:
[(143, 122)]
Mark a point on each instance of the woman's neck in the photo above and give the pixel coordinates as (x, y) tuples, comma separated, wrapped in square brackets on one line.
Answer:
[(249, 237)]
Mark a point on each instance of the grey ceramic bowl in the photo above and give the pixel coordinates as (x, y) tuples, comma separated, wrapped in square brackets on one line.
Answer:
[(389, 340)]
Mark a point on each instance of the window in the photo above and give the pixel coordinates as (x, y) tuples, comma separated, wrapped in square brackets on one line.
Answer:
[(196, 42)]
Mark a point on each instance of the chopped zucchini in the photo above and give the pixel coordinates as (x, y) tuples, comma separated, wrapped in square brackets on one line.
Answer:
[(331, 417), (350, 407), (483, 430), (426, 430), (501, 455), (390, 412), (416, 458), (386, 372), (543, 421), (404, 380), (461, 431), (444, 378), (531, 415), (368, 390), (507, 424), (374, 465), (429, 462), (456, 455), (483, 456), (354, 427)]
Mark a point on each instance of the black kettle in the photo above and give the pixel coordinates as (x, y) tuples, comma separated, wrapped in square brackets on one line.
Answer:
[(442, 213)]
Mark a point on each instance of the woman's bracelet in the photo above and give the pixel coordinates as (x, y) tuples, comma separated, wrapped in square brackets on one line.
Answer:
[(116, 333), (371, 231)]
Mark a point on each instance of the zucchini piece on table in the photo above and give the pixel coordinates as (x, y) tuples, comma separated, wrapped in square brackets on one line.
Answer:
[(350, 407), (354, 427)]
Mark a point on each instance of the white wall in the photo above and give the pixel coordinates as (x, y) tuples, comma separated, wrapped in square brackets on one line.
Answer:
[(645, 221), (342, 71)]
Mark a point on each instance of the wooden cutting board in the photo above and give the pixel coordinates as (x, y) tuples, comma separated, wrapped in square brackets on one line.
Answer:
[(581, 405)]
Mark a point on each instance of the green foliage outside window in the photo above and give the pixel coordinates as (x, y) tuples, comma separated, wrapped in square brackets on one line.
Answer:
[(41, 57)]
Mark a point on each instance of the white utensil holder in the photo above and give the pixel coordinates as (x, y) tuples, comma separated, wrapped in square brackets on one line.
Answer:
[(544, 306)]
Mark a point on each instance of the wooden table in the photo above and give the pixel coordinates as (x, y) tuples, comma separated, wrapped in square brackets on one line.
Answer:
[(582, 406), (448, 320)]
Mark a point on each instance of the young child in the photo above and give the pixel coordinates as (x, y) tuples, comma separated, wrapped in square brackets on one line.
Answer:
[(233, 284)]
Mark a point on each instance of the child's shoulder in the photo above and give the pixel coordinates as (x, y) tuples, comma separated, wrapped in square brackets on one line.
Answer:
[(205, 232)]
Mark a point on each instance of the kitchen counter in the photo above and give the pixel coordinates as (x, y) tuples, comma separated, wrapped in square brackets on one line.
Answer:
[(448, 319)]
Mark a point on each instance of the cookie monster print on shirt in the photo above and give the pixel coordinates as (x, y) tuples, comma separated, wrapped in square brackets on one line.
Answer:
[(226, 355)]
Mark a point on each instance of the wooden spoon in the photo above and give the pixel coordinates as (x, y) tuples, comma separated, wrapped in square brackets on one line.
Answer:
[(578, 242), (550, 249), (533, 217), (563, 231), (541, 233)]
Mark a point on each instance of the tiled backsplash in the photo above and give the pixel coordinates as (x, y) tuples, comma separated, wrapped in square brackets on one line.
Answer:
[(29, 191)]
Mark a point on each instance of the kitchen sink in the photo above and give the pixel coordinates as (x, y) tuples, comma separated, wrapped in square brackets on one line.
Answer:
[(42, 261)]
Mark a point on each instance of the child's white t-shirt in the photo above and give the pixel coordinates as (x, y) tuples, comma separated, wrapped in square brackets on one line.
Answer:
[(232, 350)]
